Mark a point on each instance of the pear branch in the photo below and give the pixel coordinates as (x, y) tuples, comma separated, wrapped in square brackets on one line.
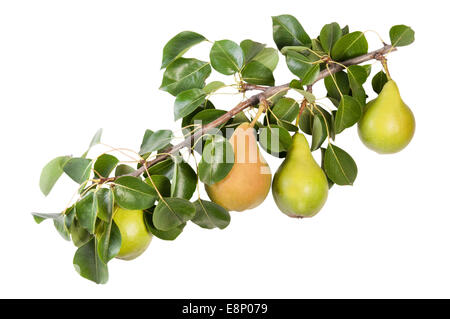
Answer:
[(266, 93)]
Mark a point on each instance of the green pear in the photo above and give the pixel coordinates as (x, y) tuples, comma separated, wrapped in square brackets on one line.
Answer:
[(300, 187), (387, 124), (135, 236)]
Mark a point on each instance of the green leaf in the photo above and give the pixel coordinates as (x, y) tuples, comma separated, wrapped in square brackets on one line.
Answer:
[(184, 74), (59, 221), (345, 30), (250, 49), (340, 166), (207, 116), (110, 242), (378, 81), (179, 45), (172, 212), (349, 46), (348, 114), (161, 182), (287, 31), (40, 217), (329, 34), (319, 132), (213, 87), (256, 73), (209, 215), (306, 122), (401, 35), (147, 135), (307, 95), (331, 125), (61, 227), (296, 84), (123, 169), (171, 234), (343, 85), (51, 173), (368, 69), (105, 203), (132, 193), (187, 120), (226, 57), (322, 165), (186, 102), (357, 75), (285, 109), (303, 66), (156, 141), (297, 48), (268, 57), (88, 263), (317, 47), (238, 119), (217, 160), (69, 216), (162, 168), (274, 98), (334, 101), (104, 165), (287, 125), (86, 211), (274, 139), (184, 181), (95, 140), (80, 236), (78, 169)]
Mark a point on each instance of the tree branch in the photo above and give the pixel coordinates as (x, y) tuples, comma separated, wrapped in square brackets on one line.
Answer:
[(255, 99)]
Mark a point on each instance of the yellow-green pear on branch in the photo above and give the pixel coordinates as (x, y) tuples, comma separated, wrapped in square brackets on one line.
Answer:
[(135, 236), (300, 187), (248, 183), (387, 124)]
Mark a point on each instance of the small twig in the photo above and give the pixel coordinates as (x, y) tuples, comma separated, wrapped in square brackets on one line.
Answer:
[(383, 60), (249, 87), (302, 108)]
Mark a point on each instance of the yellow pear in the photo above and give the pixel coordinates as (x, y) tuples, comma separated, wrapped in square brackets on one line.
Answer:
[(387, 125), (135, 236), (300, 187), (248, 183)]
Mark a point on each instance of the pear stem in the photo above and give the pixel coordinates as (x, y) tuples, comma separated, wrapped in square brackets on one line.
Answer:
[(263, 106), (385, 66), (303, 106), (267, 93)]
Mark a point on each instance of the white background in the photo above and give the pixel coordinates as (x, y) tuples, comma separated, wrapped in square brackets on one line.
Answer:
[(68, 68)]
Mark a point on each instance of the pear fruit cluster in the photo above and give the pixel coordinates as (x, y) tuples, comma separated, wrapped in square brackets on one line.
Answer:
[(387, 125), (248, 183), (300, 186)]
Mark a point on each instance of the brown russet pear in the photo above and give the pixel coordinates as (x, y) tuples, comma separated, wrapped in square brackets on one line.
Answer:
[(248, 183), (300, 187), (387, 125)]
